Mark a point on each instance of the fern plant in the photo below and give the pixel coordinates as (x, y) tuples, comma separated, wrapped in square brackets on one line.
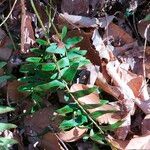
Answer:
[(54, 68)]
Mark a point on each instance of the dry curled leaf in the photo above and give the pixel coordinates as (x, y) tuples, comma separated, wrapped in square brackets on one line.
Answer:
[(81, 21), (72, 135), (120, 36), (27, 32)]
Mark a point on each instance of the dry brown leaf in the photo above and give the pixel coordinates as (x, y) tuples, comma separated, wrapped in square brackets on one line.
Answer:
[(13, 93), (72, 135), (141, 143), (41, 119), (146, 125), (91, 54), (120, 36), (144, 28), (115, 143), (77, 7), (50, 142), (81, 21), (144, 105), (5, 42), (27, 32)]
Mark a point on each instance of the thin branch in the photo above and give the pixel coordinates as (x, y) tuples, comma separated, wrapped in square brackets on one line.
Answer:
[(9, 13)]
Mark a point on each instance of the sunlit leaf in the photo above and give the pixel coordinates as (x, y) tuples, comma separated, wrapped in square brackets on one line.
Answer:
[(67, 109), (6, 126), (112, 127), (72, 41), (5, 141), (49, 85), (64, 62), (41, 42), (34, 59), (99, 138), (67, 124), (5, 109), (48, 66), (85, 92), (53, 48), (70, 73), (98, 113)]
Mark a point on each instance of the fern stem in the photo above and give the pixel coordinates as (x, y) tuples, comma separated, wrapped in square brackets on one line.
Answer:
[(56, 62)]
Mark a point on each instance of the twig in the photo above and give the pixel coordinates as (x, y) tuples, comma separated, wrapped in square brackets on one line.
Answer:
[(9, 34), (9, 13)]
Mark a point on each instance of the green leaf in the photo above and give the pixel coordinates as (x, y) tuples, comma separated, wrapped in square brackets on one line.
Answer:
[(53, 48), (64, 62), (59, 75), (70, 73), (85, 92), (67, 109), (64, 32), (27, 79), (92, 106), (34, 59), (72, 41), (28, 68), (2, 64), (36, 51), (26, 88), (147, 18), (50, 85), (4, 78), (5, 141), (5, 109), (48, 66), (98, 138), (6, 126), (76, 52), (41, 42), (98, 113), (112, 127), (67, 124)]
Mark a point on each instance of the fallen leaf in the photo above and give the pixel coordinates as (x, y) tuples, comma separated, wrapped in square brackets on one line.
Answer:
[(5, 42), (73, 134), (81, 21), (144, 29), (141, 143), (91, 54), (146, 125), (120, 36), (93, 98), (50, 141), (27, 32), (115, 143), (13, 93), (77, 7)]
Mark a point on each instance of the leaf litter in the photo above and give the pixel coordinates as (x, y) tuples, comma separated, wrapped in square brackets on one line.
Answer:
[(117, 69)]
